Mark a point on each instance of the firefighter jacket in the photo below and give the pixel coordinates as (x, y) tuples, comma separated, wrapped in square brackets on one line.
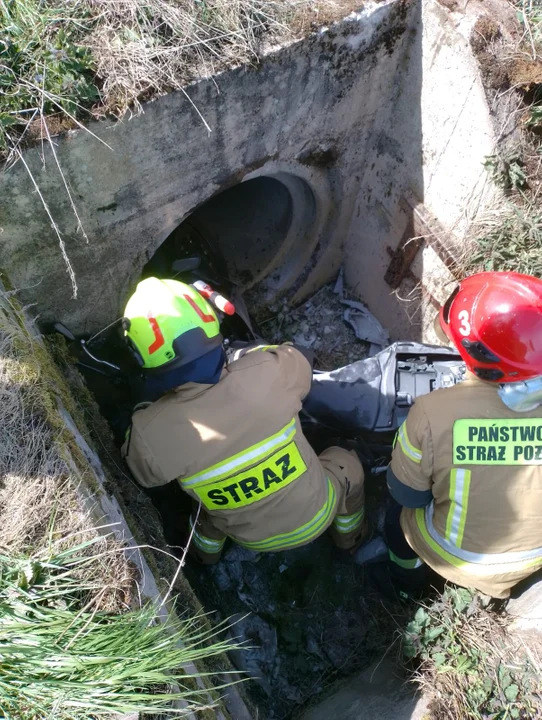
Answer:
[(483, 465), (238, 448)]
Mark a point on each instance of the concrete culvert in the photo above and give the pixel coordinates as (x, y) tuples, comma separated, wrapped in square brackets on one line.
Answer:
[(360, 147), (250, 222), (259, 231)]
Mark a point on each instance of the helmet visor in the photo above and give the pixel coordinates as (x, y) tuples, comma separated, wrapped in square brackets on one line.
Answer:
[(439, 332), (442, 319), (522, 396)]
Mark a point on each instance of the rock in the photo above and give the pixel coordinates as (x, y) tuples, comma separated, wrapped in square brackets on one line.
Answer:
[(259, 658), (375, 550), (525, 605)]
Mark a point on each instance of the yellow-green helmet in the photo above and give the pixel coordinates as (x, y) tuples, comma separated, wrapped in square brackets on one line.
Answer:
[(168, 324)]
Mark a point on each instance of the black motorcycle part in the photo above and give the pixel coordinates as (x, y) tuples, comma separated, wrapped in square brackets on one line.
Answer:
[(375, 394)]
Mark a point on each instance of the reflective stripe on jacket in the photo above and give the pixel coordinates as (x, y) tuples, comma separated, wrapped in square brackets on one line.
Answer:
[(304, 533), (238, 447), (482, 464), (472, 562)]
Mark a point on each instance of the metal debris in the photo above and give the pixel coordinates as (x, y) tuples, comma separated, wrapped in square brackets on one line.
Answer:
[(363, 322)]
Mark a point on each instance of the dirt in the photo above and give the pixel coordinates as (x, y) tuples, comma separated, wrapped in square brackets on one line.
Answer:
[(485, 30), (50, 126), (495, 43), (322, 13), (310, 616), (317, 324), (495, 70), (526, 72)]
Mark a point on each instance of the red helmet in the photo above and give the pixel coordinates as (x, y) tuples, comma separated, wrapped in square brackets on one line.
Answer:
[(495, 321)]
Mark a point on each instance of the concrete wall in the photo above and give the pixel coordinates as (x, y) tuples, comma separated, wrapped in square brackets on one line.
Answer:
[(382, 120), (309, 111), (423, 181)]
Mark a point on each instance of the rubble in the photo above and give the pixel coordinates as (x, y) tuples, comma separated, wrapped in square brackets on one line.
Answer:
[(337, 336), (308, 615)]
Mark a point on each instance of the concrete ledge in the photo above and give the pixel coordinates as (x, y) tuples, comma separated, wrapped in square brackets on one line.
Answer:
[(378, 692)]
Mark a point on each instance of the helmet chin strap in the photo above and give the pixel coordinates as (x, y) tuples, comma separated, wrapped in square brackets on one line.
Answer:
[(205, 370), (522, 396)]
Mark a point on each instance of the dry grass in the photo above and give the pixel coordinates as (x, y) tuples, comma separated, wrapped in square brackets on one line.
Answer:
[(149, 48), (72, 58), (144, 49), (507, 239), (40, 511)]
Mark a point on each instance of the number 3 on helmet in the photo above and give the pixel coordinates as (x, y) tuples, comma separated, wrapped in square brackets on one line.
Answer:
[(495, 321)]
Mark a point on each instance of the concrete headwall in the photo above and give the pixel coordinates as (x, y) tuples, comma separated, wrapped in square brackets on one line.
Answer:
[(377, 127), (306, 113)]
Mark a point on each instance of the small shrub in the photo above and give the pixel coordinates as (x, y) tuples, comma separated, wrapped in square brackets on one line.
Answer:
[(506, 173), (468, 662), (512, 242), (535, 117)]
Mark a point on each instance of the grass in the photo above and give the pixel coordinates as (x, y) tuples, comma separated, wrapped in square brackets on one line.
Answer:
[(62, 61), (529, 15), (69, 662), (75, 641), (470, 664), (44, 71), (511, 238)]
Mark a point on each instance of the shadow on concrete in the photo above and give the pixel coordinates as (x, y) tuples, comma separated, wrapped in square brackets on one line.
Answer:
[(384, 236)]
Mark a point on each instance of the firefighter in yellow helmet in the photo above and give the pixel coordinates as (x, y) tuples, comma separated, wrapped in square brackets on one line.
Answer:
[(230, 433)]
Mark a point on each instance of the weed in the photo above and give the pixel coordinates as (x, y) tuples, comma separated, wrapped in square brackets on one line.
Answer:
[(529, 15), (511, 242), (469, 663), (60, 660), (43, 69), (506, 172), (535, 117)]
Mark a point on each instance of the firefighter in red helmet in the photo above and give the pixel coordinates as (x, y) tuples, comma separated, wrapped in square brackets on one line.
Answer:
[(466, 471)]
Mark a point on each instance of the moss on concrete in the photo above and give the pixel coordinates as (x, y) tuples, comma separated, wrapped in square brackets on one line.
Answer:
[(82, 406)]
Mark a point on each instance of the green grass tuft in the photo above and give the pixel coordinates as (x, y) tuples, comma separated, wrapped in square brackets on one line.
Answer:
[(58, 660), (43, 69)]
